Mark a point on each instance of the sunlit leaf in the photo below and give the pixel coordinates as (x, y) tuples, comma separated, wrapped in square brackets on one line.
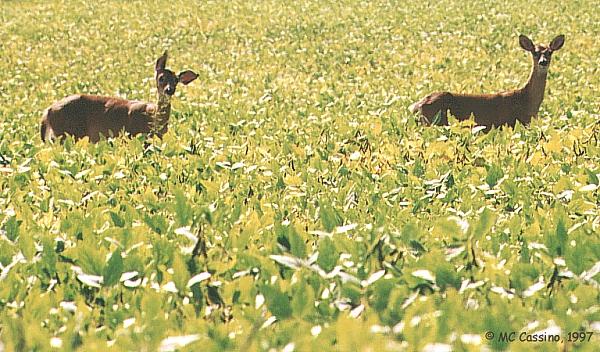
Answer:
[(113, 269)]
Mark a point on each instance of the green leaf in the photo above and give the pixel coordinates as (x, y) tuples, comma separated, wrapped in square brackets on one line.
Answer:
[(447, 228), (49, 256), (487, 219), (298, 247), (89, 256), (329, 218), (592, 178), (156, 223), (524, 257), (182, 209), (446, 276), (380, 296), (303, 300), (11, 226), (181, 274), (410, 232), (151, 304), (277, 302), (583, 255), (523, 275), (116, 219), (556, 241), (328, 255), (113, 269), (494, 173), (352, 292), (7, 251), (27, 246)]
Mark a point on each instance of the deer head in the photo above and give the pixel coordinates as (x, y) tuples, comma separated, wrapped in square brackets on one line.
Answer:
[(166, 80), (541, 54)]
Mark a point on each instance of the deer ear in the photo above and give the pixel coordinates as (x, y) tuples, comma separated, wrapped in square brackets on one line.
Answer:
[(526, 43), (557, 42), (187, 76), (161, 63)]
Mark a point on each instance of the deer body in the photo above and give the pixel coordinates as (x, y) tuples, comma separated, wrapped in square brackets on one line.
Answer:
[(494, 110), (91, 116)]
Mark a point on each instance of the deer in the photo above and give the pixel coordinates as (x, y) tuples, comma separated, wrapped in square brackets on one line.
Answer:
[(92, 116), (495, 110)]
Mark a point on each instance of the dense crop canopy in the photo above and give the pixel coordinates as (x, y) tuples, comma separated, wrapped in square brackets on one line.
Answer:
[(295, 203)]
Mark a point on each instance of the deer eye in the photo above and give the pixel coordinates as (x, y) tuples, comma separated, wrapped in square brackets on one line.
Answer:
[(161, 79), (537, 54)]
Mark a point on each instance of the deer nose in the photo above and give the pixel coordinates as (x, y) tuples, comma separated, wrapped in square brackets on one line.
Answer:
[(170, 90), (543, 61)]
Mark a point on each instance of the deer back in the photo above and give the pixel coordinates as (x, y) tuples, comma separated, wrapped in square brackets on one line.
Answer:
[(92, 116)]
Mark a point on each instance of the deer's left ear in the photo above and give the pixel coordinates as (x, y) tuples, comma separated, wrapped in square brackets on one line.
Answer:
[(526, 43), (161, 63), (187, 76), (557, 42)]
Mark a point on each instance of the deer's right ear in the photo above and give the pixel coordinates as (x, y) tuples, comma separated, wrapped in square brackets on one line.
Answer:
[(526, 43), (557, 42), (187, 76), (161, 63)]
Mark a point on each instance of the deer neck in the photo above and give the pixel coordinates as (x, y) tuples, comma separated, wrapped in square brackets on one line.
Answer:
[(534, 89), (162, 112)]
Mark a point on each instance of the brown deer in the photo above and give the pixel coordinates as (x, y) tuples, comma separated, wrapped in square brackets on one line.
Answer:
[(82, 115), (493, 110)]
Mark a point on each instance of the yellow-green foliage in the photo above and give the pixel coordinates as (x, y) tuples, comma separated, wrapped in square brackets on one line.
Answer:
[(294, 183)]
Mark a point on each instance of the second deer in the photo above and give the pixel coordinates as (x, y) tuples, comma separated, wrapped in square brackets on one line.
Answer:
[(91, 116), (493, 110)]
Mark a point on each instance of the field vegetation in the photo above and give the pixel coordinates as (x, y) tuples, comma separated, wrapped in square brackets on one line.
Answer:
[(295, 203)]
